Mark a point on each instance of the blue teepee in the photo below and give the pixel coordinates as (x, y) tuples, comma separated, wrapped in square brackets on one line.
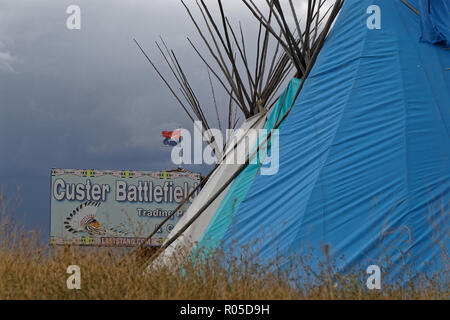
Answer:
[(365, 151)]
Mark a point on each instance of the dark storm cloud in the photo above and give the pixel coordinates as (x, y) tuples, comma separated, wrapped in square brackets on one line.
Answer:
[(87, 98), (76, 97)]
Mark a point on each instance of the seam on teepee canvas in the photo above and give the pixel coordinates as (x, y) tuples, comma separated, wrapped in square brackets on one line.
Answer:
[(357, 70)]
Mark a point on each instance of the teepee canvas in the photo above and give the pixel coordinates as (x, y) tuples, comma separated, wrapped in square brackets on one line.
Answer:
[(364, 151), (364, 154), (228, 184), (212, 191)]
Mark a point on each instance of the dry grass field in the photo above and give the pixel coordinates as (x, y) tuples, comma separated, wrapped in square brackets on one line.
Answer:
[(29, 269)]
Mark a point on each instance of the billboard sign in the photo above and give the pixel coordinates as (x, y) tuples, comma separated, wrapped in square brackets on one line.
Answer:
[(116, 208)]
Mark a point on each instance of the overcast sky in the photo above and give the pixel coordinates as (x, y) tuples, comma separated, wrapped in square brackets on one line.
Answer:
[(87, 98)]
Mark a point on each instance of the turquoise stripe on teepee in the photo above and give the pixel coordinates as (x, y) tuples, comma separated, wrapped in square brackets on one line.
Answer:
[(222, 219)]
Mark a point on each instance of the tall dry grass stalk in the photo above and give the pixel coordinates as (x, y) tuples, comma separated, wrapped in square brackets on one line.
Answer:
[(29, 269)]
